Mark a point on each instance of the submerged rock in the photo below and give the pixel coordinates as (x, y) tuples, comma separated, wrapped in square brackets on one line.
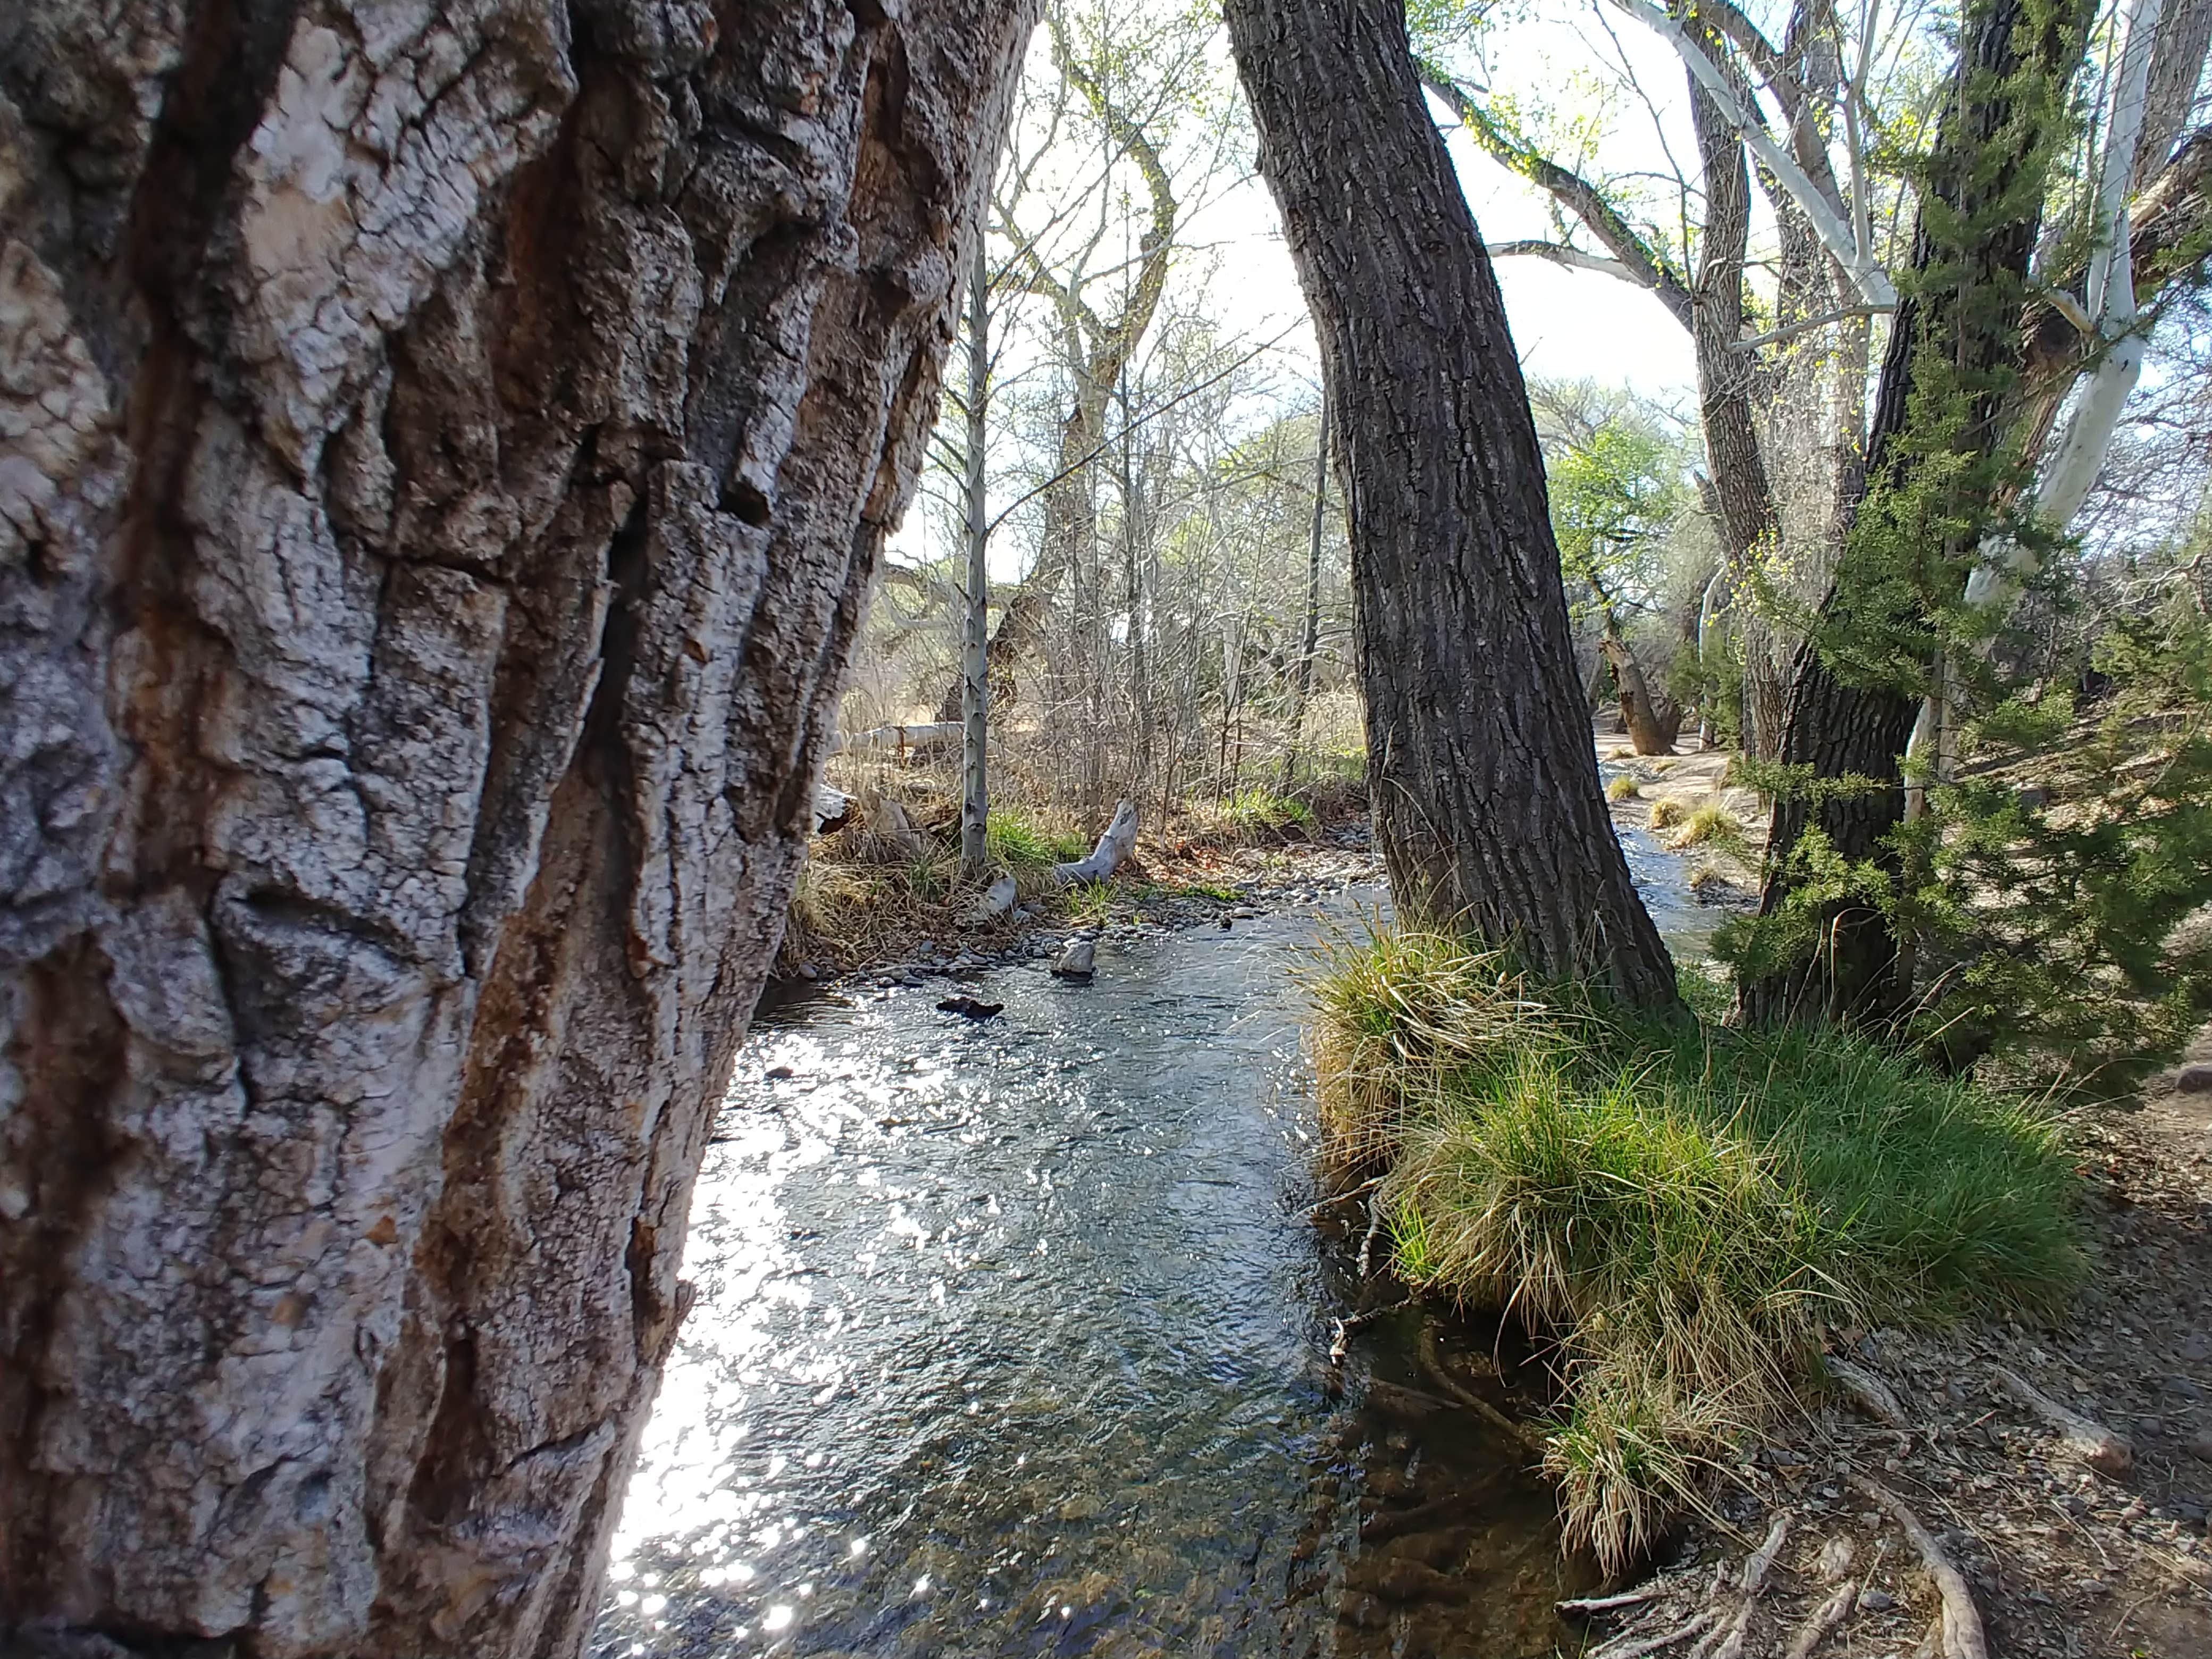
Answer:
[(969, 1008), (1077, 959)]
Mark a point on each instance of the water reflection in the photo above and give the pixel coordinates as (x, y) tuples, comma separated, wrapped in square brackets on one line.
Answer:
[(1014, 1338)]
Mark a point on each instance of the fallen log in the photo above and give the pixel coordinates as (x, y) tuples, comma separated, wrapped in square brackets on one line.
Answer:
[(833, 809), (927, 738)]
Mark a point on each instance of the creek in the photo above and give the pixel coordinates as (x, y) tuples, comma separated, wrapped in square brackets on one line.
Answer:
[(1020, 1337)]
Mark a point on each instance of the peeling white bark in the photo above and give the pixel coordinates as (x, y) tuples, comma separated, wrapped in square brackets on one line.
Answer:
[(408, 721)]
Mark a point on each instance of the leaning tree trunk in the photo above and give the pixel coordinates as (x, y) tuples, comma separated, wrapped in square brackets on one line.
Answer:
[(1480, 768), (1954, 345), (446, 450)]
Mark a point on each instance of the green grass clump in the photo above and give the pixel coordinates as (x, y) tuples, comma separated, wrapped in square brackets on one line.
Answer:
[(1622, 787), (1021, 843), (1710, 823), (1090, 903), (1684, 1208), (1253, 811)]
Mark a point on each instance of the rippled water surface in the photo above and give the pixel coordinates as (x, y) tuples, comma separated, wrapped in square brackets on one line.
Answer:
[(1016, 1338)]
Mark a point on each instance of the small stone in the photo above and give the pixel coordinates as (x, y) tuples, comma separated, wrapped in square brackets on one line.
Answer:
[(1876, 1600), (1077, 959), (2194, 1080), (2200, 1445), (2181, 1389)]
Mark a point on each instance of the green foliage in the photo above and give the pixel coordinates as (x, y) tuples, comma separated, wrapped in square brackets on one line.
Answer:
[(1615, 471), (1686, 1207), (2039, 901), (1091, 904), (1023, 844), (1255, 809)]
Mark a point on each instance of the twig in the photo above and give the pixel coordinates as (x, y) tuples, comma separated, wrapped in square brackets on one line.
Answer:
[(1587, 1606), (2090, 1441), (1433, 1363), (1822, 1619), (1344, 1197), (1868, 1392), (1635, 1648), (1374, 1229), (1340, 1329), (1761, 1561), (1960, 1625)]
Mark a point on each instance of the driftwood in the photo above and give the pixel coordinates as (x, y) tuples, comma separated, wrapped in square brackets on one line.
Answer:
[(1823, 1619), (833, 809), (1961, 1622), (1868, 1392), (2086, 1441), (1117, 844), (991, 903)]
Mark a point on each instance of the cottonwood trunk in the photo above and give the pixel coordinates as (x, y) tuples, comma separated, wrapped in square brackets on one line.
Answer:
[(446, 449), (1849, 731), (1480, 767), (1651, 728)]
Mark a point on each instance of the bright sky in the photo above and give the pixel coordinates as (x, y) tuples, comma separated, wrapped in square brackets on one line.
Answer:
[(1566, 324)]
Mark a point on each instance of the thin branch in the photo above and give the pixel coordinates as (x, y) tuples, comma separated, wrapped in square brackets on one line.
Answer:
[(1774, 336), (1871, 281)]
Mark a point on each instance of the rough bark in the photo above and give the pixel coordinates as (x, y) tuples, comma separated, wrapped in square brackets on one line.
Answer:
[(975, 609), (443, 449), (2176, 68), (1855, 730), (1652, 726), (1486, 789)]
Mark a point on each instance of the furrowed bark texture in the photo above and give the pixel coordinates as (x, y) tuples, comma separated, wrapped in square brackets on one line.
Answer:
[(443, 449), (1480, 767), (1851, 730)]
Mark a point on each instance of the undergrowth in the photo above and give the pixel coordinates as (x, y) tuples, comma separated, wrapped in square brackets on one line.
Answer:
[(1683, 1208)]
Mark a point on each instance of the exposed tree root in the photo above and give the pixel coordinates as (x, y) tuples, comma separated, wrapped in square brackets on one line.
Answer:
[(1725, 1640), (1868, 1392), (1961, 1625), (1823, 1619), (1635, 1647), (2086, 1441), (1589, 1605)]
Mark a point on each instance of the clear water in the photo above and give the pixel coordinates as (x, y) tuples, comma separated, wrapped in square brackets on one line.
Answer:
[(1015, 1337)]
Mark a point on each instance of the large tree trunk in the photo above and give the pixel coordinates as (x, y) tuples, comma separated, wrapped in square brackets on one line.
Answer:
[(1480, 767), (1959, 319), (446, 447)]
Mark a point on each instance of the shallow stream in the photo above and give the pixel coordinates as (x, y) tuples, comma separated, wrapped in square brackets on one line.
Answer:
[(1015, 1337)]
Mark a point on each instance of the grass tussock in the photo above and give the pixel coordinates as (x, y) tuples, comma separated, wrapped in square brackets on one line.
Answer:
[(1622, 787), (1710, 824), (1685, 1209), (1667, 812)]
